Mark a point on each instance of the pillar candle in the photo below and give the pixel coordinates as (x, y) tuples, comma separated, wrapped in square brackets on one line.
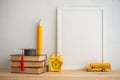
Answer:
[(39, 44)]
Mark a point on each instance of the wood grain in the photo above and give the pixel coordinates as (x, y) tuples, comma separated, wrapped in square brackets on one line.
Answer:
[(64, 75)]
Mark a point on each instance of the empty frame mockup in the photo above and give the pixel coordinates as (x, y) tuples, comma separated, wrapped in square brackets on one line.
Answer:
[(80, 36)]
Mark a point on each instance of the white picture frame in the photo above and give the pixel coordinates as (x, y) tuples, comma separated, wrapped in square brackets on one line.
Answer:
[(84, 11)]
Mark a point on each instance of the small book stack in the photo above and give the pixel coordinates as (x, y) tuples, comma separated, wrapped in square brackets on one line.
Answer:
[(32, 64)]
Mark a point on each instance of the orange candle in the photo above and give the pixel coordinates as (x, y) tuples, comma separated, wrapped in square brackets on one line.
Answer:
[(39, 45)]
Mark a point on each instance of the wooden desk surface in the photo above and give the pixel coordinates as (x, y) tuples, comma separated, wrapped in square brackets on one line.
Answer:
[(64, 75)]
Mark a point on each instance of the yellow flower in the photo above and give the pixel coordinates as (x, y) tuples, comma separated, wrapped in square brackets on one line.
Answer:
[(56, 63)]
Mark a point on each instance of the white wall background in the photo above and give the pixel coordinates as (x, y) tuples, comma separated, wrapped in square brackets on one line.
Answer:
[(19, 20)]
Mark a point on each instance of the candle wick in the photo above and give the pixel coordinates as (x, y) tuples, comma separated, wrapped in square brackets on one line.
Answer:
[(40, 21)]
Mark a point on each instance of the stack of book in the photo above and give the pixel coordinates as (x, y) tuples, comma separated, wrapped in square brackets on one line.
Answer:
[(32, 64)]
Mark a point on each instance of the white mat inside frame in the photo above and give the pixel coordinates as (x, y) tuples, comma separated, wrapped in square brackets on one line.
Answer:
[(80, 36)]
